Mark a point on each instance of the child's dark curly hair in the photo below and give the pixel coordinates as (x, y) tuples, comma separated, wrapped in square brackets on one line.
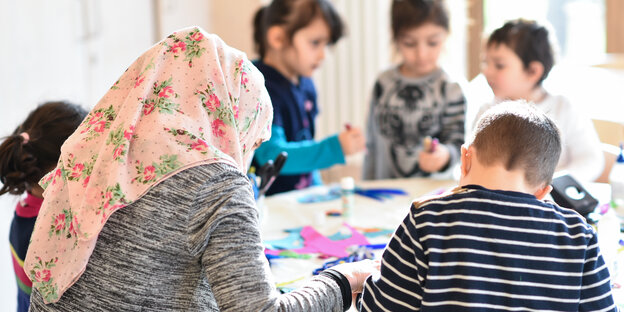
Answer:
[(35, 146)]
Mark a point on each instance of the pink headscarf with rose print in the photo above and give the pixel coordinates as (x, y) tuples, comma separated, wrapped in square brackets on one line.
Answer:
[(189, 100)]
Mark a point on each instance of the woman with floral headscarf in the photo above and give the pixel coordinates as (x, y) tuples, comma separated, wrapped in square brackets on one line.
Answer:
[(149, 208)]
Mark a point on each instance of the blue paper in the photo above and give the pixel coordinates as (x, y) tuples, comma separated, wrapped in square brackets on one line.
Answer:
[(292, 241)]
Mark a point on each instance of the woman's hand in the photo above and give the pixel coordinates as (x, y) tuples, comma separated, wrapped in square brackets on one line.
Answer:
[(357, 272), (434, 161)]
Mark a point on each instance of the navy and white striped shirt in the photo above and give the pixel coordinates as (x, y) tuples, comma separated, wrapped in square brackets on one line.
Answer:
[(478, 249)]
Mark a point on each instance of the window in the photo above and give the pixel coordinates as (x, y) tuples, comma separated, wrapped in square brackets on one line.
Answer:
[(578, 27)]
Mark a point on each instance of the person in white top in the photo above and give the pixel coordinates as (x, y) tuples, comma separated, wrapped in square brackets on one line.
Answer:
[(518, 57)]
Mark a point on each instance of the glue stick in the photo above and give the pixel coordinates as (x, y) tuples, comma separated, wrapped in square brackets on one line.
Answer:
[(347, 190)]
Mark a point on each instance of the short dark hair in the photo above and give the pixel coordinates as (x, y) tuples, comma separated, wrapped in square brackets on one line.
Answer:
[(24, 162), (406, 14), (294, 15), (519, 136), (529, 41)]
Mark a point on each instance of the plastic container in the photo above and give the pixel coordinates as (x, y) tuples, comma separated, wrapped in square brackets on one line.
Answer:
[(347, 191), (609, 239)]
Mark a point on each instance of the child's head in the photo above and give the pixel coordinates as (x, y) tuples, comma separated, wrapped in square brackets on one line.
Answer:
[(35, 146), (518, 137), (518, 58), (419, 29), (299, 31)]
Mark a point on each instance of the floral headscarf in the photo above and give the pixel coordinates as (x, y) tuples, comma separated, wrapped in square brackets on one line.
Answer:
[(189, 100)]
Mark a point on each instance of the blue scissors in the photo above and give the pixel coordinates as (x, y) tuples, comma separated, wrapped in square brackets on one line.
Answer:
[(255, 181)]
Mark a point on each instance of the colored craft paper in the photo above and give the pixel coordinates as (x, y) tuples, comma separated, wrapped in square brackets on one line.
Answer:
[(381, 232), (292, 241), (314, 242), (317, 243)]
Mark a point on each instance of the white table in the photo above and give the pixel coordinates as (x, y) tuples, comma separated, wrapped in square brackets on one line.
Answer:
[(282, 212)]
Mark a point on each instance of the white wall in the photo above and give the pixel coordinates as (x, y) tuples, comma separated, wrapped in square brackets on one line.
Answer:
[(73, 50), (40, 59)]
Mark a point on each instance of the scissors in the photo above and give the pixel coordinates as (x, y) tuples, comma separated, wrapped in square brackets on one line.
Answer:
[(269, 172), (379, 193)]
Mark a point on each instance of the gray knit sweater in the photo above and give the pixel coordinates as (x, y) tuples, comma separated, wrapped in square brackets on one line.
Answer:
[(192, 243), (403, 112)]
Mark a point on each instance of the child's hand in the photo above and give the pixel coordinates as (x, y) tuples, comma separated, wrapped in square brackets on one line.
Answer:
[(434, 161), (352, 140)]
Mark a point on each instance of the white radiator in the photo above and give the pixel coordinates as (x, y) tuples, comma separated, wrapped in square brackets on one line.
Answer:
[(345, 80)]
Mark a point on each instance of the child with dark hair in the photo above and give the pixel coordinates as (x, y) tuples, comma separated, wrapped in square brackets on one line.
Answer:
[(291, 37), (518, 57), (416, 101), (492, 244), (25, 157)]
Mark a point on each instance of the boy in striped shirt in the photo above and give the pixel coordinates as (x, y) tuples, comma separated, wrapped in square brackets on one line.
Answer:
[(492, 244)]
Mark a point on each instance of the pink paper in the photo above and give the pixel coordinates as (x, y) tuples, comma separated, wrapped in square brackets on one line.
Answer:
[(316, 243)]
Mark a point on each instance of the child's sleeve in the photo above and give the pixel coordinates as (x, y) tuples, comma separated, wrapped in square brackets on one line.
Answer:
[(453, 121), (303, 156), (482, 109), (585, 156), (398, 287), (596, 285)]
